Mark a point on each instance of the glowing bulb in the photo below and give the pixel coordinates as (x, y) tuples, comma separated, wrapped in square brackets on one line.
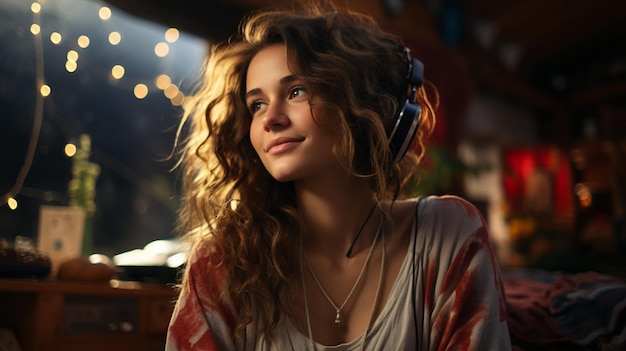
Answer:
[(162, 81), (83, 41), (115, 38), (585, 197), (72, 55), (104, 13), (55, 38), (70, 150), (117, 71), (35, 7), (71, 66), (12, 203), (161, 49), (141, 91), (179, 99), (45, 90), (171, 91), (35, 29), (172, 34)]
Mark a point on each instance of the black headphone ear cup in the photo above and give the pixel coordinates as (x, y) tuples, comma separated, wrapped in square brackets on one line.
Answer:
[(404, 130), (407, 119)]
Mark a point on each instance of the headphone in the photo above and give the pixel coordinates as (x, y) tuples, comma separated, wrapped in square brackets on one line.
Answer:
[(407, 119)]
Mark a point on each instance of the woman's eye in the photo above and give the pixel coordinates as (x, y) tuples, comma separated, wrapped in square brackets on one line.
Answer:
[(255, 106), (297, 91)]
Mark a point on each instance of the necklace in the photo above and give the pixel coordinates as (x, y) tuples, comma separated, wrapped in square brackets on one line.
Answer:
[(375, 303), (376, 297), (339, 308)]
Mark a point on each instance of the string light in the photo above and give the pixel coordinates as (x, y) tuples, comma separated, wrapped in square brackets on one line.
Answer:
[(115, 38), (171, 91), (104, 13), (117, 71), (56, 38), (35, 29), (162, 81), (178, 99), (161, 49), (83, 41), (12, 203), (139, 88), (71, 66), (171, 35), (70, 149), (45, 90), (72, 55), (18, 185), (141, 91), (35, 7)]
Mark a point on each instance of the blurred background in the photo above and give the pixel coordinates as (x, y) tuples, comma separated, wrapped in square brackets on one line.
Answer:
[(531, 126)]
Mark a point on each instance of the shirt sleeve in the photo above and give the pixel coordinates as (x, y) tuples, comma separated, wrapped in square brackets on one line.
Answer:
[(202, 320), (468, 308)]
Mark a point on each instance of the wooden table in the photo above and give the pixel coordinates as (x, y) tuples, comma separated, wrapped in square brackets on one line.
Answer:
[(53, 315)]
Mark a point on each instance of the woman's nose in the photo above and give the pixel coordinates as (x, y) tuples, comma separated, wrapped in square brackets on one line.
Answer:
[(275, 117)]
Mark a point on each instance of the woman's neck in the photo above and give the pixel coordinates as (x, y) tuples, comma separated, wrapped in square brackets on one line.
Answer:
[(334, 213)]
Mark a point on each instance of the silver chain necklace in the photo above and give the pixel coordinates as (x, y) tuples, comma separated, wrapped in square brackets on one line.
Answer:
[(339, 308), (376, 297)]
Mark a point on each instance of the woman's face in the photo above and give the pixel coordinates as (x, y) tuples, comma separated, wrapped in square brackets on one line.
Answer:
[(283, 132)]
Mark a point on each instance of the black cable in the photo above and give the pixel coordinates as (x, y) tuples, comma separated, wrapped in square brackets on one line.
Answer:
[(349, 253), (413, 273)]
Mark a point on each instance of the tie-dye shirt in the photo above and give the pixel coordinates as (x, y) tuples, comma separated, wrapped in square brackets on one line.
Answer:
[(458, 302)]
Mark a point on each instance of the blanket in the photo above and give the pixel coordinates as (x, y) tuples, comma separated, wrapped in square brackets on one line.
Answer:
[(558, 311)]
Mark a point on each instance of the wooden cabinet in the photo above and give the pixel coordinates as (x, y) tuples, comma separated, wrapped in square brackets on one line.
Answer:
[(52, 315)]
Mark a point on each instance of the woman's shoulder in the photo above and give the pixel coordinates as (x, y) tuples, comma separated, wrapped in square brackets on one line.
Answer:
[(204, 261), (438, 213), (439, 202), (448, 208), (203, 251), (447, 218)]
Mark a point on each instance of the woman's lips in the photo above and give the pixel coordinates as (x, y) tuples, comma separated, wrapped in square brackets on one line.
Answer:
[(282, 144)]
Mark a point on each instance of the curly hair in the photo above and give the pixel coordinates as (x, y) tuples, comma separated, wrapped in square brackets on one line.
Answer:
[(357, 74)]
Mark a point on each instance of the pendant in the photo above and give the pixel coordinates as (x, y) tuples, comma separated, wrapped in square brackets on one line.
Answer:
[(337, 318)]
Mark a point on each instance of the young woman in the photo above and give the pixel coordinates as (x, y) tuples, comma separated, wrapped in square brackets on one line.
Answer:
[(302, 238)]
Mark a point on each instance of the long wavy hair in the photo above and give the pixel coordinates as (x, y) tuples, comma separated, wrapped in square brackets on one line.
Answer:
[(357, 74)]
